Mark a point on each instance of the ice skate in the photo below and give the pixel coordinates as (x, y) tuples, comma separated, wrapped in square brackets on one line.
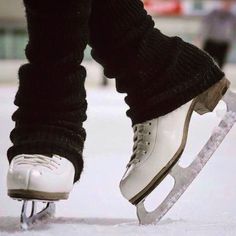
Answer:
[(159, 143), (39, 178)]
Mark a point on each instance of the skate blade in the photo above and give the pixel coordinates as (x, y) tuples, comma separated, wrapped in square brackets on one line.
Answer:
[(183, 177), (34, 217)]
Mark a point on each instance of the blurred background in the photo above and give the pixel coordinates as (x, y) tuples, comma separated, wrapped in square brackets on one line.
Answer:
[(174, 17)]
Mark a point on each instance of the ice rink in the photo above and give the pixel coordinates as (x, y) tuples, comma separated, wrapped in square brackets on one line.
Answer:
[(96, 207)]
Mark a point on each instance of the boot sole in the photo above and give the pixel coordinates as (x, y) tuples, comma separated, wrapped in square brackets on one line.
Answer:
[(36, 195), (204, 103)]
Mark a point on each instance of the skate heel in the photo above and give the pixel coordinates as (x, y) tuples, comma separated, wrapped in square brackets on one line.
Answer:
[(208, 100)]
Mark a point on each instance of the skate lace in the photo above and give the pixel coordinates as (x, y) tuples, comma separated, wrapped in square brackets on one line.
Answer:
[(141, 143), (36, 159)]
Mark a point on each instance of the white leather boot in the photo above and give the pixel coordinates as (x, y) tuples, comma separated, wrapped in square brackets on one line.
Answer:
[(159, 143), (40, 177)]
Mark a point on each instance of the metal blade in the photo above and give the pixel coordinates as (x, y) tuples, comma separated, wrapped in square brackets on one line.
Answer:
[(184, 176), (28, 221)]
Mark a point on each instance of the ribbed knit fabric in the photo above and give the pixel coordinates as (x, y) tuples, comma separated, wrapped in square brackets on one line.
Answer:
[(158, 73), (51, 98)]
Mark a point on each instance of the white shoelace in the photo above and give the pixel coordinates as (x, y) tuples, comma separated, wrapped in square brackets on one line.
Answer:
[(141, 143), (36, 159)]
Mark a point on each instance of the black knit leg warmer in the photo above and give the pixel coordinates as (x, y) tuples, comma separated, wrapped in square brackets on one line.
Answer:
[(157, 72), (51, 98)]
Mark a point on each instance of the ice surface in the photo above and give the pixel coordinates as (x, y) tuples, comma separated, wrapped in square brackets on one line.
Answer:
[(96, 207)]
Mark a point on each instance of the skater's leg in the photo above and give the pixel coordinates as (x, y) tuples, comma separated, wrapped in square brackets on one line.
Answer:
[(164, 78), (51, 98), (157, 71)]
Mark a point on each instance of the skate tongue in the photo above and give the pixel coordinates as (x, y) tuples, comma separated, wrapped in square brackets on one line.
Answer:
[(38, 159), (141, 134)]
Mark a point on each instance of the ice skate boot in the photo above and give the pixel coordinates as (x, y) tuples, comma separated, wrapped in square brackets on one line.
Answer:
[(158, 145), (34, 178)]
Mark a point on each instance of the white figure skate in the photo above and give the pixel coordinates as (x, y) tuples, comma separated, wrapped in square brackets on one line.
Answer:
[(158, 145), (34, 178)]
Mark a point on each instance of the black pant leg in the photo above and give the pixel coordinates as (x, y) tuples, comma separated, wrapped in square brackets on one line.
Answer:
[(51, 97), (158, 73)]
